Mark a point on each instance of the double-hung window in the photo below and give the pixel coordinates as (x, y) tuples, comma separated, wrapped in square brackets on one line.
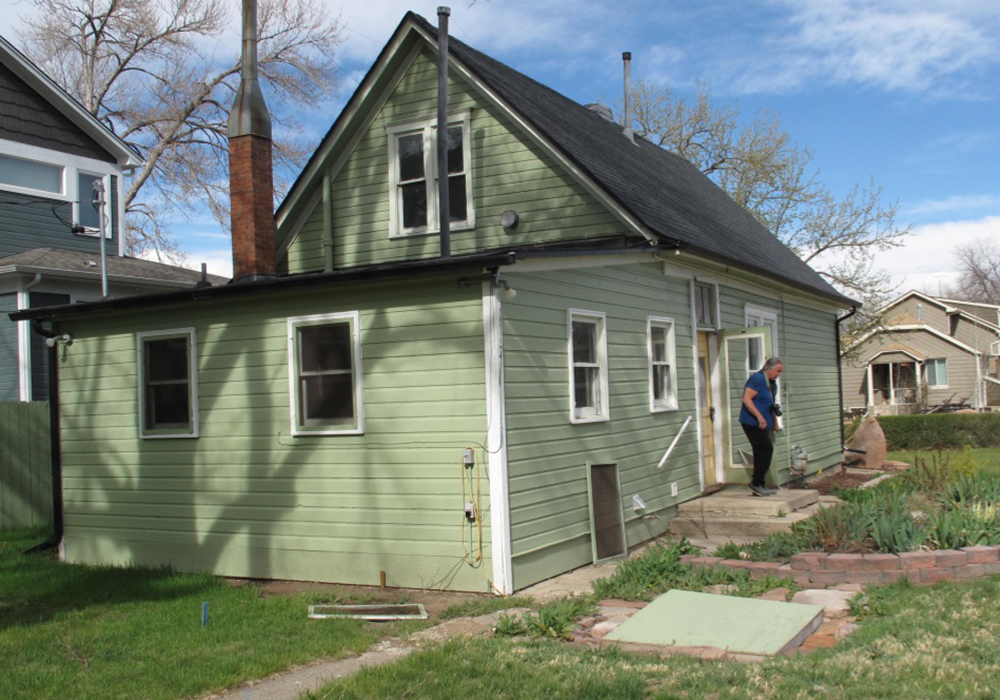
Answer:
[(588, 367), (662, 364), (325, 374), (704, 305), (936, 373), (414, 174), (168, 387)]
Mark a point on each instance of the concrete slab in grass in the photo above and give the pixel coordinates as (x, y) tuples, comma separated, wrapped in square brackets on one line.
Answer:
[(738, 625)]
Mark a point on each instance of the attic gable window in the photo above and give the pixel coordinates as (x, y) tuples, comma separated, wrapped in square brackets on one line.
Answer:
[(413, 202), (327, 388), (168, 387)]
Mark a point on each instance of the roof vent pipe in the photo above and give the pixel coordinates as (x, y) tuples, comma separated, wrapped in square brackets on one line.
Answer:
[(627, 60), (444, 201)]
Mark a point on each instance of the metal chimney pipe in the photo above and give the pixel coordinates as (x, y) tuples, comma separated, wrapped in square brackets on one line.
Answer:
[(444, 201), (249, 114), (627, 60)]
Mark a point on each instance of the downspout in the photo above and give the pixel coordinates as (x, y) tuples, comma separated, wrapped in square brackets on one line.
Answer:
[(54, 443), (327, 224), (444, 201), (840, 373)]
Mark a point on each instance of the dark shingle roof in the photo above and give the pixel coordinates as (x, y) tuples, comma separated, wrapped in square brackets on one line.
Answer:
[(666, 193), (69, 261)]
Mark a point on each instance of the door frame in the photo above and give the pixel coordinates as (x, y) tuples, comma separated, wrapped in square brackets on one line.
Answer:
[(725, 335)]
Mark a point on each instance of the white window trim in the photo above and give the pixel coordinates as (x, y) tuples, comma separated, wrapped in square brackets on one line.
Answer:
[(192, 339), (354, 318), (668, 323), (602, 361), (429, 129), (926, 363), (71, 166)]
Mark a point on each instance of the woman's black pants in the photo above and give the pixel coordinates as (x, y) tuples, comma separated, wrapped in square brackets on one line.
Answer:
[(763, 450)]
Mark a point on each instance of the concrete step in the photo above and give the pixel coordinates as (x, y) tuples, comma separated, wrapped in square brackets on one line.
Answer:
[(736, 527), (738, 500)]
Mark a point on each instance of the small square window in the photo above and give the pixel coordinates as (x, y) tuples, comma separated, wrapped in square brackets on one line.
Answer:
[(168, 396), (662, 365), (588, 367), (936, 373), (326, 380)]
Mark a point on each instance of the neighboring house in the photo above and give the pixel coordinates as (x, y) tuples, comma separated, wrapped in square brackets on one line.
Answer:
[(542, 398), (927, 353), (52, 151)]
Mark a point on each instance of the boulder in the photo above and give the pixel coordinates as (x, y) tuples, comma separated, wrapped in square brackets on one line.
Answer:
[(870, 439)]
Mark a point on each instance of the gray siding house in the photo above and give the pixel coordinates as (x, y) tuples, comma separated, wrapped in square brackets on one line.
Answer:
[(541, 398), (52, 151), (928, 352)]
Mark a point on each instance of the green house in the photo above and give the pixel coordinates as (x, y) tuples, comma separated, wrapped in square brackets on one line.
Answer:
[(540, 399)]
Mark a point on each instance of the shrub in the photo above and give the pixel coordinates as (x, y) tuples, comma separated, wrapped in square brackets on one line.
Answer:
[(941, 430), (932, 476)]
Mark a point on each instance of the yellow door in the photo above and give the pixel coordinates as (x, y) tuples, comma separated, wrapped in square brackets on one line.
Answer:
[(706, 417)]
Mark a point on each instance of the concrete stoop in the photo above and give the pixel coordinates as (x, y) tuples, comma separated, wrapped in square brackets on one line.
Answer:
[(735, 513)]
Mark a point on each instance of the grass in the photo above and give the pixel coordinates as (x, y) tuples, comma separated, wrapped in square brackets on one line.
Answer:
[(988, 458), (941, 641), (101, 632)]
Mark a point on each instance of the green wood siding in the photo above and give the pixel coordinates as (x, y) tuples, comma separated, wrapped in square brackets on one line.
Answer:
[(547, 454), (808, 392), (246, 498), (25, 465), (509, 172)]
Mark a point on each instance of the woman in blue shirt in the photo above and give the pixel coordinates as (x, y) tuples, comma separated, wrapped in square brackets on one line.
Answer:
[(757, 419)]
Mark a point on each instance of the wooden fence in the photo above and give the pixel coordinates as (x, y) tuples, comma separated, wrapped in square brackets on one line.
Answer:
[(25, 464)]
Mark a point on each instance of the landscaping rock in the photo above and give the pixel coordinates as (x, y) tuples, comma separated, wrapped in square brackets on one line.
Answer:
[(869, 438), (834, 602)]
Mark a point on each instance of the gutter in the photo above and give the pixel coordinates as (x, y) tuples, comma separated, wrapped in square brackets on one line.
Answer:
[(840, 372), (54, 442), (77, 274), (267, 286)]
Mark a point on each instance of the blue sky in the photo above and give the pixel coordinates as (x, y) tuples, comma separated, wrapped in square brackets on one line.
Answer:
[(905, 93)]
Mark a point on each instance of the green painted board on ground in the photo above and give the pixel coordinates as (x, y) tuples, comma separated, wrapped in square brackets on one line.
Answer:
[(739, 625)]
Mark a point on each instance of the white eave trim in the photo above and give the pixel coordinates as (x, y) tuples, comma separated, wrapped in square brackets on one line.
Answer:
[(69, 107), (57, 273)]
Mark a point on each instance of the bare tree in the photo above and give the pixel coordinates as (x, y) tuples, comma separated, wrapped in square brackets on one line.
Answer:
[(979, 271), (148, 70), (761, 167)]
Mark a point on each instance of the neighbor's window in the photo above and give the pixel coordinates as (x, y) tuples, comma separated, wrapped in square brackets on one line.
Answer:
[(936, 372), (168, 391), (87, 214), (704, 305), (662, 364), (326, 378), (414, 200), (588, 362), (31, 174)]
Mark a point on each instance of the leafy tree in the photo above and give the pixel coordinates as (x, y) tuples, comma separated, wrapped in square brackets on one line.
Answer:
[(149, 70), (760, 166)]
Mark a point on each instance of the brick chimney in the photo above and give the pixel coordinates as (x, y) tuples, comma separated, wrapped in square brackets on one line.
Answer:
[(251, 184)]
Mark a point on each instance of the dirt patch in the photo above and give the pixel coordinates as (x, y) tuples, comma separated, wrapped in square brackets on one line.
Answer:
[(435, 602), (843, 480)]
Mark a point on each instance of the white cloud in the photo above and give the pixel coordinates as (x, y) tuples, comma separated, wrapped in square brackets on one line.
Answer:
[(963, 203), (927, 259), (932, 47)]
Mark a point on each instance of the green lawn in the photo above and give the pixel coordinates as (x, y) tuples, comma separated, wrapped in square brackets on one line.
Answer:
[(97, 632), (989, 458), (936, 642)]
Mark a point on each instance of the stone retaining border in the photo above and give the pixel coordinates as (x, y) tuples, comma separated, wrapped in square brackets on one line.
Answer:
[(819, 569)]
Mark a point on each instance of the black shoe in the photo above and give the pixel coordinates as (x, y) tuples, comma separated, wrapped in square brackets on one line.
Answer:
[(759, 490)]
